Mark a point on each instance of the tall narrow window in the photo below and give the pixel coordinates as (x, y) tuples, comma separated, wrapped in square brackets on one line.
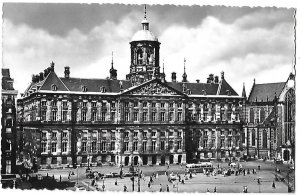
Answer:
[(144, 146), (126, 146), (135, 146), (53, 147), (94, 116), (179, 116), (64, 147), (83, 116), (153, 145), (253, 137), (135, 116), (162, 116), (65, 114), (162, 145), (54, 115)]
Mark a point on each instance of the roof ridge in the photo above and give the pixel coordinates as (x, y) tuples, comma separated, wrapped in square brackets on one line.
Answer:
[(94, 79), (268, 83)]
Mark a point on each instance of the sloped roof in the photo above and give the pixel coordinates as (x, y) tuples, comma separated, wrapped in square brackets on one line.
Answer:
[(51, 79), (224, 87), (265, 92), (94, 85)]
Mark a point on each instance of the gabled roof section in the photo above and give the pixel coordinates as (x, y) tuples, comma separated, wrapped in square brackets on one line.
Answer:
[(225, 89), (153, 87), (94, 85), (53, 79), (265, 92)]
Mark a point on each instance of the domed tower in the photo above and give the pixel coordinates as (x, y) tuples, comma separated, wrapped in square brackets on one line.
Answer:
[(144, 47)]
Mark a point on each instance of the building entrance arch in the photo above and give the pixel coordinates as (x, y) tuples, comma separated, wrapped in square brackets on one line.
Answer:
[(135, 160), (126, 160), (171, 159)]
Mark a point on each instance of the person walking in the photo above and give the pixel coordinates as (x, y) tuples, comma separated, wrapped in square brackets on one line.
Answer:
[(160, 188), (116, 182), (215, 189), (168, 189), (149, 184), (273, 185), (125, 188)]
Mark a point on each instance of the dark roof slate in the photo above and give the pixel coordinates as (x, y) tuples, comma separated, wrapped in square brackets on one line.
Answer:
[(51, 79), (94, 85), (225, 88), (265, 92)]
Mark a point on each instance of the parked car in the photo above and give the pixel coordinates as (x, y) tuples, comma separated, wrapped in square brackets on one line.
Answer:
[(112, 175), (130, 174)]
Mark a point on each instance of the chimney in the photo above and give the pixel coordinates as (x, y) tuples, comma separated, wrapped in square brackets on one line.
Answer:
[(198, 81), (211, 77), (216, 79), (222, 75), (173, 76), (67, 72), (41, 76), (52, 66)]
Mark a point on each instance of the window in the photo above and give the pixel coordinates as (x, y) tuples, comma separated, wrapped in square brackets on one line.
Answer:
[(222, 114), (179, 116), (144, 134), (144, 146), (153, 116), (127, 116), (222, 143), (162, 105), (44, 103), (126, 146), (64, 115), (135, 134), (126, 104), (83, 147), (135, 104), (94, 146), (113, 135), (222, 132), (144, 104), (205, 143), (179, 105), (162, 116), (179, 143), (265, 139), (83, 116), (213, 133), (153, 133), (44, 146), (179, 133), (84, 104), (94, 116), (253, 137), (113, 116), (94, 134), (54, 135), (135, 116), (44, 134), (103, 116), (104, 105), (229, 142), (204, 106), (65, 104), (53, 87), (103, 146), (153, 145), (53, 147), (199, 116), (94, 104), (153, 105), (126, 134), (162, 134), (113, 104), (135, 146), (103, 134), (44, 115), (171, 105), (204, 116), (64, 134), (54, 115), (171, 145), (162, 145), (251, 115), (171, 133), (144, 116), (171, 116), (230, 132), (112, 146), (213, 142), (205, 133), (64, 147)]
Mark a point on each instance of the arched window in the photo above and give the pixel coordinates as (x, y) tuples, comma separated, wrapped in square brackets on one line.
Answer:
[(253, 137), (265, 139), (103, 89), (84, 88), (54, 87), (262, 115), (139, 56), (289, 115), (251, 115)]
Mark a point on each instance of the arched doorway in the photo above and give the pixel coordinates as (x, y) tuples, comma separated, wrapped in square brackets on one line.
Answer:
[(179, 158), (126, 160), (145, 160), (135, 160), (163, 160), (153, 159), (286, 155), (171, 159)]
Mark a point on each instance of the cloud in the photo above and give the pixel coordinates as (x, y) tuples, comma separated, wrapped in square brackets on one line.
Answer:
[(242, 48)]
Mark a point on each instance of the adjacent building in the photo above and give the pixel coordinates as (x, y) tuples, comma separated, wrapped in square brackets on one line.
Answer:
[(8, 124), (270, 126)]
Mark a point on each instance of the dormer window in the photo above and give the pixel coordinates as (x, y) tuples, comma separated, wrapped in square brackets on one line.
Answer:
[(102, 89), (189, 92), (54, 87), (84, 88)]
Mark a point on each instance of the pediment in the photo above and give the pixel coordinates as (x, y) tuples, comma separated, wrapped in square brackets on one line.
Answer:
[(153, 87)]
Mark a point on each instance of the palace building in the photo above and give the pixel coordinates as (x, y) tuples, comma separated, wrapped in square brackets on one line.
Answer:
[(143, 119)]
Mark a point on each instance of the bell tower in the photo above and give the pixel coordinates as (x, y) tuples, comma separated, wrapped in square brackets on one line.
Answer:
[(144, 48)]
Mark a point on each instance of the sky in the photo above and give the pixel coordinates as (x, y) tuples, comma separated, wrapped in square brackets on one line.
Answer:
[(244, 42)]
